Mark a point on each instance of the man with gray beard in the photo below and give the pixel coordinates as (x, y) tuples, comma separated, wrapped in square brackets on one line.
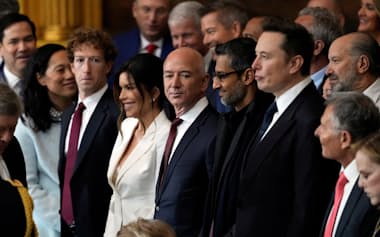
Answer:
[(354, 65), (234, 79)]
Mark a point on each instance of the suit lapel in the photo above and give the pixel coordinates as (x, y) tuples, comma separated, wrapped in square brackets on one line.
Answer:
[(189, 135), (352, 201), (92, 129)]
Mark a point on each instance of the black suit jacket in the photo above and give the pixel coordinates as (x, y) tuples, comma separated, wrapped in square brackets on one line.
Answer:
[(286, 183), (14, 159), (89, 186), (232, 140), (180, 199), (358, 218)]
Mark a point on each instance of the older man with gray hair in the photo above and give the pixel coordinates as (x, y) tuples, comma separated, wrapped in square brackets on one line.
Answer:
[(348, 118), (324, 28)]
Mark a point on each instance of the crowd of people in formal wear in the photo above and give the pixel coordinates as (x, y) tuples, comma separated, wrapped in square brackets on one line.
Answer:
[(198, 122)]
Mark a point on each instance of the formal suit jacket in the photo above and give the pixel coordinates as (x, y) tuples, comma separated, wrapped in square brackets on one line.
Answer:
[(89, 186), (358, 217), (286, 184), (14, 159), (181, 197), (232, 140), (134, 186), (128, 45)]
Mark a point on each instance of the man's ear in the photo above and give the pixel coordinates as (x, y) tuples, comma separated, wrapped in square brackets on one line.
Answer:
[(362, 64), (236, 29), (295, 63), (319, 45), (345, 139), (248, 76)]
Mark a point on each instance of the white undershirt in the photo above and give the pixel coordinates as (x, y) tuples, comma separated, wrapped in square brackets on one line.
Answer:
[(4, 172)]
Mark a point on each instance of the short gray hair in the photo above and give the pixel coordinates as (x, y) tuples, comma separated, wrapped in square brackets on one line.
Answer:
[(355, 113), (188, 10), (325, 25), (10, 103)]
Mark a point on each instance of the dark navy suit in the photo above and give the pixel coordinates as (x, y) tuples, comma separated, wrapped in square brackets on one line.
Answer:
[(128, 44), (358, 217), (181, 198), (89, 186)]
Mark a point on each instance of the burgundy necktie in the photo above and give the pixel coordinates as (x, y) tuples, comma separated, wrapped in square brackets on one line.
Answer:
[(150, 48), (169, 146), (339, 190), (67, 208)]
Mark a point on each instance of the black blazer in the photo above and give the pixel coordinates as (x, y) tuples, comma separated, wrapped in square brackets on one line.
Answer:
[(14, 159), (89, 186), (286, 184), (232, 139), (181, 198), (358, 218)]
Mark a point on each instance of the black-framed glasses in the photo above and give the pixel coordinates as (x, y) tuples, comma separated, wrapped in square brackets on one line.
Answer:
[(221, 76)]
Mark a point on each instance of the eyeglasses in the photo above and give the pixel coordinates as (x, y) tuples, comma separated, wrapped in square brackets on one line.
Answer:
[(221, 76)]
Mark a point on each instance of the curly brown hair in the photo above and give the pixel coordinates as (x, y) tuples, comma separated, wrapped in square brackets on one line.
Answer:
[(96, 38)]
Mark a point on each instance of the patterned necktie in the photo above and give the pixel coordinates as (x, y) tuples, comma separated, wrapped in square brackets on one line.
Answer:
[(67, 209), (168, 147), (150, 48), (339, 190)]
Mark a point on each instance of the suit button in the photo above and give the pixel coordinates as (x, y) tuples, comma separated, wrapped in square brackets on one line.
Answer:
[(157, 208)]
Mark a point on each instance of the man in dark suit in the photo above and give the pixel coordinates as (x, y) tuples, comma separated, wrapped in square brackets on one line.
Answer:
[(184, 177), (12, 165), (84, 160), (235, 80), (348, 118), (151, 18), (17, 44), (285, 184)]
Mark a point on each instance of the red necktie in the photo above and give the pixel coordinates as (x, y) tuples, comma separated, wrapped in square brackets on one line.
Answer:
[(339, 190), (169, 146), (67, 208), (150, 48)]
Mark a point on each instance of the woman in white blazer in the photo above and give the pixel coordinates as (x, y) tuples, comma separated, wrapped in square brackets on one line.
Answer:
[(139, 147)]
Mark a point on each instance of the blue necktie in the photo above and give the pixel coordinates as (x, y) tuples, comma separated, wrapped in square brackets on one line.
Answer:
[(268, 116)]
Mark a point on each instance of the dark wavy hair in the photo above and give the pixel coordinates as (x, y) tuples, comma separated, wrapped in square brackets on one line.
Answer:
[(36, 100), (147, 72)]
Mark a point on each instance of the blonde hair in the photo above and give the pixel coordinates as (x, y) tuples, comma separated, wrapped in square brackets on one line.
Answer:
[(146, 228), (371, 146)]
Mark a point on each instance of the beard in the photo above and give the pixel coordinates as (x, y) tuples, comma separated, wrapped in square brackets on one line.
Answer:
[(238, 93), (345, 83)]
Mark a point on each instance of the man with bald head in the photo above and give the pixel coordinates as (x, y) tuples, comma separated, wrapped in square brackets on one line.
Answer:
[(184, 176), (354, 61)]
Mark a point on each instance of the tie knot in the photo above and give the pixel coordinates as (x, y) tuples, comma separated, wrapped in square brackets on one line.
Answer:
[(176, 122), (272, 109), (81, 107), (342, 180), (150, 48)]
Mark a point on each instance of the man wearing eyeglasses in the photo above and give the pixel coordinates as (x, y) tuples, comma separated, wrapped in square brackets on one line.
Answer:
[(89, 130), (234, 79)]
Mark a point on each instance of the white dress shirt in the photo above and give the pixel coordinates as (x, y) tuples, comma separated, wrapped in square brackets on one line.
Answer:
[(284, 100), (158, 43), (90, 102), (188, 119)]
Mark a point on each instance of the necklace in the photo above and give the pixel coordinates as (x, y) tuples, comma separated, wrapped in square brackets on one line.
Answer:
[(55, 114)]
